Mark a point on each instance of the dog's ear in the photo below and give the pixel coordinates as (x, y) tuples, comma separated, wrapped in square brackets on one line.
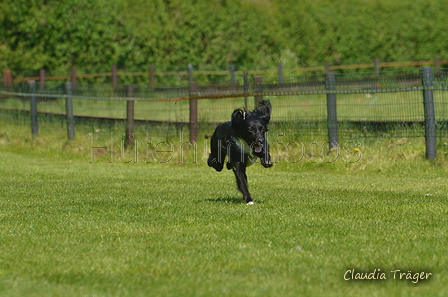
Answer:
[(238, 117), (263, 110)]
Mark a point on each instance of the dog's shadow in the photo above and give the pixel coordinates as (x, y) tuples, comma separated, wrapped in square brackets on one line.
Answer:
[(228, 200)]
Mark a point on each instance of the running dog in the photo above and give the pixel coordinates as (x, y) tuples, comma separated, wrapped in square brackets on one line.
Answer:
[(242, 140)]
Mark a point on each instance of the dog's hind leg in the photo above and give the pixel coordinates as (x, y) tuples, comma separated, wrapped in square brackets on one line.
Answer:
[(241, 180)]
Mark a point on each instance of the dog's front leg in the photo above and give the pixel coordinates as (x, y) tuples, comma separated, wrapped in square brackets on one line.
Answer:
[(265, 158), (217, 155), (241, 180)]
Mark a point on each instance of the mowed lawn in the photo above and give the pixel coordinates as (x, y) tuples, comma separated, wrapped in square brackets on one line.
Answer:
[(73, 228)]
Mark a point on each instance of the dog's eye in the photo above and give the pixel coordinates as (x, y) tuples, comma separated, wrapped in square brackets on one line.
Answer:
[(250, 130)]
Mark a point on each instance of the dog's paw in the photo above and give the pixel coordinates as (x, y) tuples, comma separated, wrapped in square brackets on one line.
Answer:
[(267, 165), (250, 203)]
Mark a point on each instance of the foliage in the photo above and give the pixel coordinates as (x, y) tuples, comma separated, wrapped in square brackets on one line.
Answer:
[(353, 31), (58, 34), (93, 35)]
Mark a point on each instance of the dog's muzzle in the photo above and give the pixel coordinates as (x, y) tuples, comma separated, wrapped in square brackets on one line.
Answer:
[(258, 146)]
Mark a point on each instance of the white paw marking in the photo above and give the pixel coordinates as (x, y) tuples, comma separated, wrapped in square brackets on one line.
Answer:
[(250, 203)]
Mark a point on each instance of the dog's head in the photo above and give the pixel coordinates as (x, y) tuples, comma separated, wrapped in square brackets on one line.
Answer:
[(251, 126)]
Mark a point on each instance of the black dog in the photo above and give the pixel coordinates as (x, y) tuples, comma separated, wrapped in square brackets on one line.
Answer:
[(243, 140)]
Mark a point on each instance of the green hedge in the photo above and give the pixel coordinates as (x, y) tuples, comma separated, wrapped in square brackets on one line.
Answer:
[(252, 34)]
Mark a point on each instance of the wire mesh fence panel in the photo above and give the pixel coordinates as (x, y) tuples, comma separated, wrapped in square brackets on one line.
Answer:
[(299, 115), (162, 111), (294, 85), (217, 111), (441, 103), (384, 104), (381, 114), (372, 105), (441, 111)]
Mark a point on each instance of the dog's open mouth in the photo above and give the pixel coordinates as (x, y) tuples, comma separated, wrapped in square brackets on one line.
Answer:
[(258, 148)]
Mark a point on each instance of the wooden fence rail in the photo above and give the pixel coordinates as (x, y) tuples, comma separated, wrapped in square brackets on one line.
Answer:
[(152, 73)]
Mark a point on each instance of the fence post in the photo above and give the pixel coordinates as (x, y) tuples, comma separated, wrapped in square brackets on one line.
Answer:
[(42, 79), (130, 117), (232, 74), (332, 120), (430, 119), (280, 73), (73, 78), (69, 112), (437, 64), (327, 66), (246, 88), (258, 89), (190, 73), (33, 109), (152, 82), (7, 79), (114, 77), (377, 65), (193, 113)]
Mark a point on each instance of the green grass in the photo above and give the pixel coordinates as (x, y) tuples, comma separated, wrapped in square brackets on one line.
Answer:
[(74, 228)]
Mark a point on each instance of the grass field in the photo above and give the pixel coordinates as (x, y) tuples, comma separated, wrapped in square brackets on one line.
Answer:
[(74, 228)]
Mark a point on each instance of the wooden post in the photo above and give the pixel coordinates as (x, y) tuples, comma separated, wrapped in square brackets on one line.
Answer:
[(232, 74), (437, 64), (190, 73), (130, 117), (33, 109), (258, 89), (69, 112), (327, 66), (193, 113), (73, 78), (377, 65), (246, 88), (280, 73), (114, 77), (42, 79), (7, 79), (152, 81)]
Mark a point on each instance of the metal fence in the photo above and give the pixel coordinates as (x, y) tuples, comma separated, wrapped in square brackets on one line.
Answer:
[(385, 104)]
